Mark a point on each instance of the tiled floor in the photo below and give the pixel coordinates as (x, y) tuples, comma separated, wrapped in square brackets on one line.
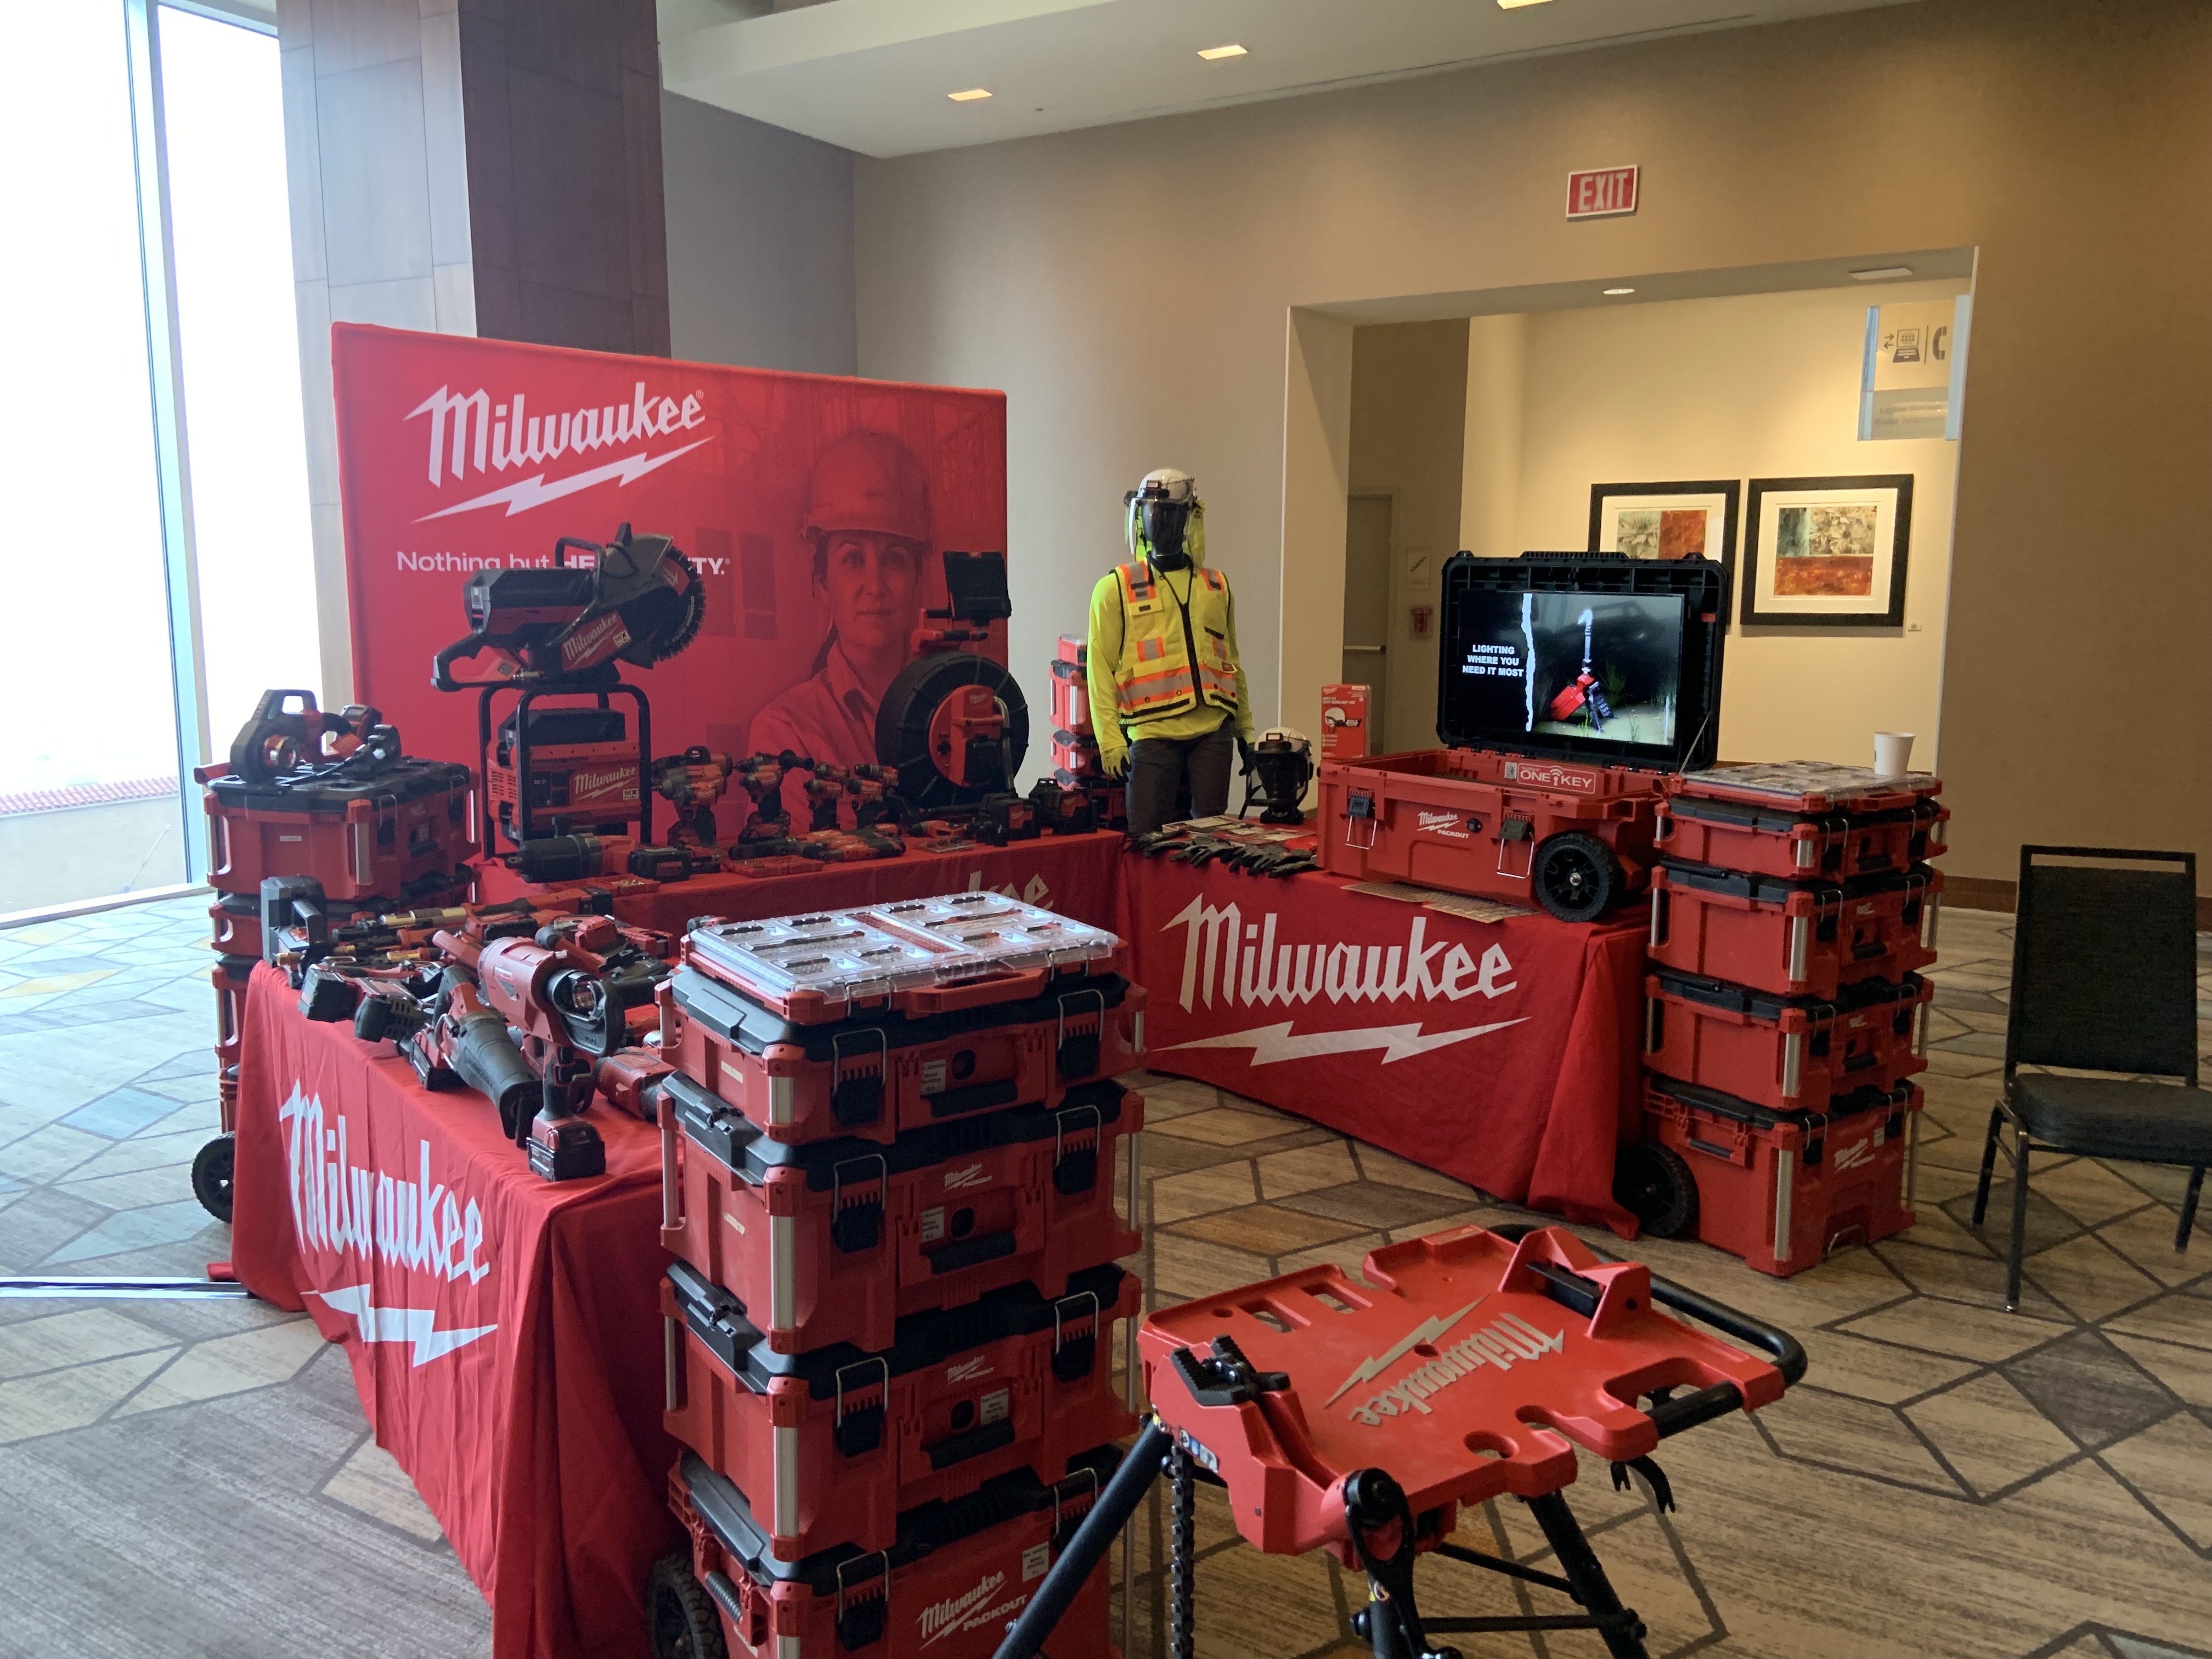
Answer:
[(1950, 1480)]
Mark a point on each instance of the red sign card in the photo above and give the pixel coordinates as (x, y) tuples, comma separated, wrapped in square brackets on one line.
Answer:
[(1601, 192), (816, 508)]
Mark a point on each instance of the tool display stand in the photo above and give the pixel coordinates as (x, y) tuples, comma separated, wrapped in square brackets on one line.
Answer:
[(1793, 939), (1787, 1054), (835, 1240), (840, 1443), (1358, 1419), (875, 1076), (956, 1574), (1574, 837), (1784, 1190)]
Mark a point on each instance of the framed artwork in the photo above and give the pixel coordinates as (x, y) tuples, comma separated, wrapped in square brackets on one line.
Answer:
[(1828, 552), (1682, 520)]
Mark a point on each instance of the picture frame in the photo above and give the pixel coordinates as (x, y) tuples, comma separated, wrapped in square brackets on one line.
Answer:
[(1672, 519), (1828, 552)]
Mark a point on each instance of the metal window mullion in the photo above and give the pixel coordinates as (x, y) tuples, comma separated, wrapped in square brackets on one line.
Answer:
[(164, 377)]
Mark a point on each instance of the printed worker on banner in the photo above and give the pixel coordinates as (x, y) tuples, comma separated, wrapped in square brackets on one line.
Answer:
[(868, 524)]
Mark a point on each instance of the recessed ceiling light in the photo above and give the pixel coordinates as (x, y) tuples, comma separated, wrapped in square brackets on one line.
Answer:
[(1516, 5), (1612, 290), (969, 96), (1211, 53), (1881, 273)]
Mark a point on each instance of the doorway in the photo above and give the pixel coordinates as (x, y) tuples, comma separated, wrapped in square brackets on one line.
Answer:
[(1367, 564)]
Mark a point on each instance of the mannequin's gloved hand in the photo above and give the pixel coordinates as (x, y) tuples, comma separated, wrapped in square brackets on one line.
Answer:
[(1114, 763), (1245, 754)]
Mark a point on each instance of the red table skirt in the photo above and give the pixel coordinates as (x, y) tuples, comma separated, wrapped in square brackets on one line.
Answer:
[(1505, 1055), (1072, 874), (505, 1332)]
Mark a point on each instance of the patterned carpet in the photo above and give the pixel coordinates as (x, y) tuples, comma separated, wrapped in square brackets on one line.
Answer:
[(188, 1480)]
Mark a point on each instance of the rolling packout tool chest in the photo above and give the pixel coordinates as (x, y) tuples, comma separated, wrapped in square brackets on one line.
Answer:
[(958, 1573), (835, 1240), (1547, 792), (875, 1075), (1787, 1054), (1802, 820), (839, 1442), (1473, 821), (1071, 686), (918, 957), (1793, 939), (1783, 1189), (402, 834)]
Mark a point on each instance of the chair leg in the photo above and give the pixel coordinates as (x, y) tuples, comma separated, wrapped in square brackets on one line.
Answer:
[(1988, 1163), (2189, 1208), (2019, 1220)]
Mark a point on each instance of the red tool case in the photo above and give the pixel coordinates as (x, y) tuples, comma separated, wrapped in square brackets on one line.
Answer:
[(1788, 1054), (1793, 939), (1473, 821), (958, 1572), (876, 1077), (839, 1442), (918, 957), (401, 833), (834, 1241), (1783, 1189), (1071, 699), (1802, 820)]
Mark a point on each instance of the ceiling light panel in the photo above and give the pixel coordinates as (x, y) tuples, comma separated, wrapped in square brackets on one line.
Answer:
[(969, 96), (1214, 54)]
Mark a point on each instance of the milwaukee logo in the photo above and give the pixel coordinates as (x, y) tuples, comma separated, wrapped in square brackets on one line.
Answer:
[(966, 1612), (968, 1370), (1542, 775), (1444, 824), (620, 784), (609, 633), (973, 1175), (1506, 1342), (1236, 960), (467, 431), (1858, 1152)]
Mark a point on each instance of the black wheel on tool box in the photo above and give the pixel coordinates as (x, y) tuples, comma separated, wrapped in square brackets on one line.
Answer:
[(1577, 878), (914, 728), (1654, 1184), (680, 1619), (211, 1172)]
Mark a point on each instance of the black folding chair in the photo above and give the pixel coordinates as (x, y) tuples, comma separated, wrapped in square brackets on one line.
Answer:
[(2104, 979)]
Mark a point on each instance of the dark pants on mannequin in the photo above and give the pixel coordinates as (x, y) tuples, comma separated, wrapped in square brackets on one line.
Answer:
[(1171, 779)]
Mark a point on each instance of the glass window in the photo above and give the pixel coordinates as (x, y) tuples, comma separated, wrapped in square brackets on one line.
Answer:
[(88, 761), (246, 445)]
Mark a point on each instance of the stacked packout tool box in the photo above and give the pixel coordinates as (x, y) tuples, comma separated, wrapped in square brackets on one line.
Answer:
[(1074, 740), (1784, 1015), (890, 1149), (1569, 686), (399, 840)]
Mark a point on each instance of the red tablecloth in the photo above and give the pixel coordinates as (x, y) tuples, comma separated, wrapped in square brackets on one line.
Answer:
[(505, 1334), (1072, 874), (1503, 1054)]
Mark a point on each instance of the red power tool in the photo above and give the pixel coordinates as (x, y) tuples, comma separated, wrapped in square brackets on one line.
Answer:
[(1358, 1418)]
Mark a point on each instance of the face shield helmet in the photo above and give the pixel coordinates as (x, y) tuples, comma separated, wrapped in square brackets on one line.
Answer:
[(1159, 510)]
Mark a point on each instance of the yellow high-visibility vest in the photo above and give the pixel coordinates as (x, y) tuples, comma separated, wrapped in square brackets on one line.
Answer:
[(1171, 660)]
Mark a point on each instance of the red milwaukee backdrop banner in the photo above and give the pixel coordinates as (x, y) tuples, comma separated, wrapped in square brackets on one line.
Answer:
[(815, 507)]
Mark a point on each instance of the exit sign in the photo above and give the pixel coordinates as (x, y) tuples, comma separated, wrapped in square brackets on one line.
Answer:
[(1601, 192)]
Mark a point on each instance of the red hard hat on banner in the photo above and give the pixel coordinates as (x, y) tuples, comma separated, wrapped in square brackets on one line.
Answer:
[(868, 481)]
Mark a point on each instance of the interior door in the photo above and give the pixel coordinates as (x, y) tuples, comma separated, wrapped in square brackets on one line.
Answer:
[(1367, 609)]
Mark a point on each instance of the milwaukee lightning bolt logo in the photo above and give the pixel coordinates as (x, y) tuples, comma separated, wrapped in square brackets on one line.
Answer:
[(1427, 1331), (417, 1325), (1271, 1044), (1858, 1152), (467, 430)]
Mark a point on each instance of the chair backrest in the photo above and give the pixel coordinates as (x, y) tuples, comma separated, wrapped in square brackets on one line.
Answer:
[(2104, 961)]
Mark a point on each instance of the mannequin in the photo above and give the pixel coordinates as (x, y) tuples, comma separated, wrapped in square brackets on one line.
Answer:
[(1167, 688)]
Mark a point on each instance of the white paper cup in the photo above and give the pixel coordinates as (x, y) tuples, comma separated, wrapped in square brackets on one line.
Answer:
[(1893, 754)]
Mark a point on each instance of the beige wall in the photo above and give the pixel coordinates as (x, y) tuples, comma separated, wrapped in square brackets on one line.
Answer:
[(1129, 287), (1761, 385)]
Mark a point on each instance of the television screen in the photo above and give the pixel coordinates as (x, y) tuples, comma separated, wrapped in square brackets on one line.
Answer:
[(1586, 671)]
